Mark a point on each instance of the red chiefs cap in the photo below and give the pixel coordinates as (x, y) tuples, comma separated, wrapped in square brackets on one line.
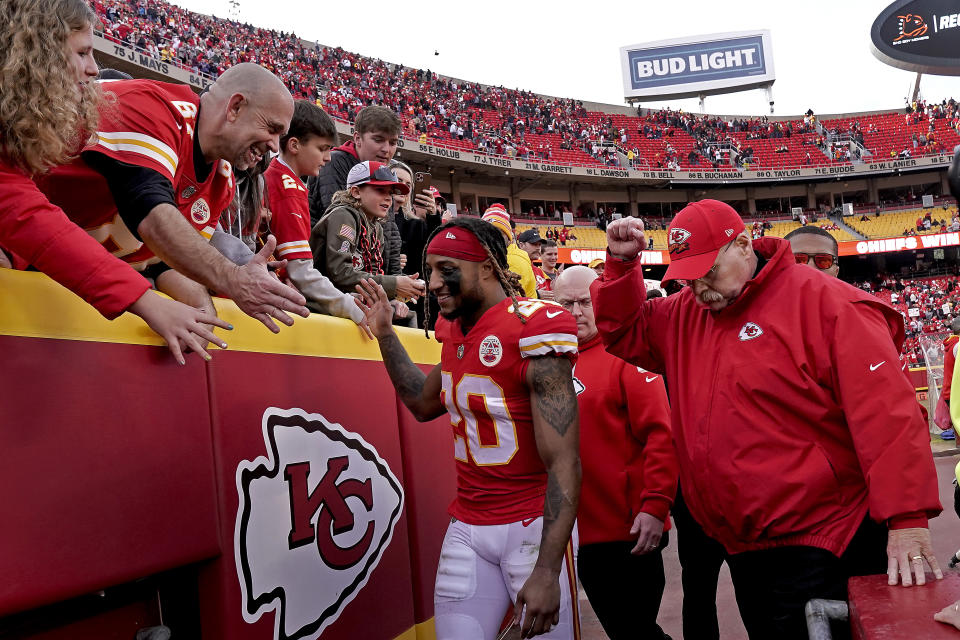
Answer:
[(376, 174), (696, 235)]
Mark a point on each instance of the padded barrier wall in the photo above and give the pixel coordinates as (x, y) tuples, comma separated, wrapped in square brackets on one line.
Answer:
[(288, 456)]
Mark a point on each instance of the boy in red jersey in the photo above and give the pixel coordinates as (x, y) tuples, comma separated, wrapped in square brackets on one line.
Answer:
[(505, 380), (303, 150)]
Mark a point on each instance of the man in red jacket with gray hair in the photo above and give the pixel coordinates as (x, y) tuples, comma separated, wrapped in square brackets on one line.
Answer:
[(800, 444), (629, 475)]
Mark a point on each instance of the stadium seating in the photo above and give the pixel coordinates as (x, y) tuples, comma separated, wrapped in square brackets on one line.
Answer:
[(502, 121), (888, 225)]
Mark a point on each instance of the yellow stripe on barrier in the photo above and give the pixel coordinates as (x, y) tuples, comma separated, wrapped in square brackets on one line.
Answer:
[(36, 307), (421, 631)]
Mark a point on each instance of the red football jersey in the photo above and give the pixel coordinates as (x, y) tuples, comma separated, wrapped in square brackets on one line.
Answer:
[(541, 277), (150, 124), (500, 476), (290, 209)]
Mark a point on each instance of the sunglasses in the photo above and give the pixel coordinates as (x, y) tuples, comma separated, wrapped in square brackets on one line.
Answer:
[(822, 261)]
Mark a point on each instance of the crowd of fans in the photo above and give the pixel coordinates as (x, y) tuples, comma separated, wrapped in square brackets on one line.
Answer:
[(927, 304), (493, 120)]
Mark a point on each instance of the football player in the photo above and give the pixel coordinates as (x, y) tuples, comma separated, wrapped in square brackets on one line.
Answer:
[(505, 380)]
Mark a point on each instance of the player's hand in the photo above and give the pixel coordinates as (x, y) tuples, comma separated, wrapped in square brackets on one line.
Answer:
[(376, 308), (410, 287), (538, 602), (625, 238), (906, 550), (546, 294), (648, 530), (260, 295), (181, 326)]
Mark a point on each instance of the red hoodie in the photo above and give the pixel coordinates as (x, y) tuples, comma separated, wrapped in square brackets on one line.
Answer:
[(790, 415), (625, 445)]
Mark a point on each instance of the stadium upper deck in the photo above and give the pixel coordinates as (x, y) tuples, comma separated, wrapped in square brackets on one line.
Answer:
[(548, 133)]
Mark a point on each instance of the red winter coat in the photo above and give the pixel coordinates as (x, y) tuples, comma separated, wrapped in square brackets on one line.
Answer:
[(790, 415), (626, 448), (42, 235)]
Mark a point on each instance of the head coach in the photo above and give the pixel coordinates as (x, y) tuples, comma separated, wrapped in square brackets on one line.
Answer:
[(800, 444)]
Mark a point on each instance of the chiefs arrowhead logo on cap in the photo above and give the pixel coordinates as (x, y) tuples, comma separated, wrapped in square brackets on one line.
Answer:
[(315, 516), (678, 240)]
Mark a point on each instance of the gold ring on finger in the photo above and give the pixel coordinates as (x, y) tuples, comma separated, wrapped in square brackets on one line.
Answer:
[(915, 558)]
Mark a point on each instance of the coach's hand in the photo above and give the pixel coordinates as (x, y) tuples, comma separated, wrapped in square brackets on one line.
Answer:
[(540, 596), (262, 296), (625, 238), (649, 530), (376, 307), (906, 549)]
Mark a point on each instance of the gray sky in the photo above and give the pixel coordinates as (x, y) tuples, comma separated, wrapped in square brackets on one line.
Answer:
[(571, 49)]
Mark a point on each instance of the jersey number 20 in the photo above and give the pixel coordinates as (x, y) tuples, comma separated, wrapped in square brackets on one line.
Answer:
[(457, 402)]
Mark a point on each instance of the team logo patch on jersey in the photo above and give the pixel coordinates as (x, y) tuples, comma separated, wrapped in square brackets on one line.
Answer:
[(491, 351), (460, 350), (750, 331), (678, 240), (357, 262), (316, 515), (200, 211), (346, 231), (189, 191)]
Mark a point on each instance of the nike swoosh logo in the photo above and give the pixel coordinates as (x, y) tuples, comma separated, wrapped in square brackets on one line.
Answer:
[(874, 367), (298, 215), (651, 378), (553, 314)]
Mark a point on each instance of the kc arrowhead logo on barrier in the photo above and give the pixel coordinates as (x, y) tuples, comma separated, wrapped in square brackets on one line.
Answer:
[(314, 519)]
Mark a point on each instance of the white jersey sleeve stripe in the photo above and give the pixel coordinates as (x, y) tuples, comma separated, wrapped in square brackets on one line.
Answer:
[(548, 343), (139, 143), (292, 247), (297, 243)]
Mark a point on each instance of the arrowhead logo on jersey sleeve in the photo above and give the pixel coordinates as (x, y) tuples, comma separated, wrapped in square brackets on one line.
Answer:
[(315, 517), (750, 331)]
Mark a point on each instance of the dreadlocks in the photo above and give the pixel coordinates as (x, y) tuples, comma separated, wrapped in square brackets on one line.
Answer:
[(492, 240)]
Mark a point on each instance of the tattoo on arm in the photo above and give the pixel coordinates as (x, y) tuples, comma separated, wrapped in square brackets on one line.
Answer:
[(406, 376), (555, 501), (553, 386)]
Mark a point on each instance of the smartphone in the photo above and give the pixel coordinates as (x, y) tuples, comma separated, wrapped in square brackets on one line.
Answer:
[(421, 182)]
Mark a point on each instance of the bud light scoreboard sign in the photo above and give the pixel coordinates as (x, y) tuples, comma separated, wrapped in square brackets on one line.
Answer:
[(703, 65)]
